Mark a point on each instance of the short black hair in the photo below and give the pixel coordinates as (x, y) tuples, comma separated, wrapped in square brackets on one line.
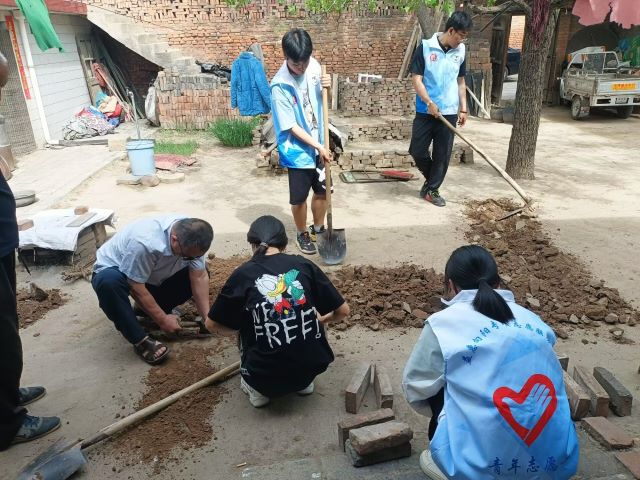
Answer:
[(193, 233), (297, 45), (459, 21)]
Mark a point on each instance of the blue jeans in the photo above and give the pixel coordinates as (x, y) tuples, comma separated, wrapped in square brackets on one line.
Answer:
[(113, 290)]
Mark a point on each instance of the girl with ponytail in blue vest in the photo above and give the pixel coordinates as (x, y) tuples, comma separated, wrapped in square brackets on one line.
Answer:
[(486, 369)]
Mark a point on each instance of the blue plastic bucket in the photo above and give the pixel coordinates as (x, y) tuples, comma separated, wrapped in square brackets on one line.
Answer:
[(140, 153)]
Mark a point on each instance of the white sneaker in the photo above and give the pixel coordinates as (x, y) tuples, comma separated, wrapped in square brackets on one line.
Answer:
[(306, 391), (255, 398), (429, 467)]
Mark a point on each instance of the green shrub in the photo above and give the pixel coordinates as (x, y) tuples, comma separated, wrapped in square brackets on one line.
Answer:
[(235, 132), (186, 148)]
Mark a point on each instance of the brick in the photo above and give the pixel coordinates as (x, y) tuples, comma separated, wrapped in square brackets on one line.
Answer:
[(357, 387), (608, 434), (564, 361), (362, 420), (620, 398), (382, 387), (386, 455), (80, 210), (579, 401), (373, 438), (25, 224), (631, 460), (599, 397)]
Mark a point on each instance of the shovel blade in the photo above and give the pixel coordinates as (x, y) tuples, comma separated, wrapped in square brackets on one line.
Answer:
[(58, 462), (332, 246)]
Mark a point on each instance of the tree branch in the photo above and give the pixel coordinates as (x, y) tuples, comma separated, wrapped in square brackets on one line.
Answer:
[(516, 7)]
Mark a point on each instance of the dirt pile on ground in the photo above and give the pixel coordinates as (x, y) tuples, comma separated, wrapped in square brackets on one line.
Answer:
[(402, 296), (35, 302), (184, 424), (554, 284)]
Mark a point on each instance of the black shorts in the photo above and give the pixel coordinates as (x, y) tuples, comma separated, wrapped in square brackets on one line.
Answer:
[(303, 179)]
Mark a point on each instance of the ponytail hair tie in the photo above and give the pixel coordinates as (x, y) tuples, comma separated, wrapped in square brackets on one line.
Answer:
[(264, 244)]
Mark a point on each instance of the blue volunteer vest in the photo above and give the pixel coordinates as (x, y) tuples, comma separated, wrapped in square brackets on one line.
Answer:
[(294, 153), (440, 76), (506, 413)]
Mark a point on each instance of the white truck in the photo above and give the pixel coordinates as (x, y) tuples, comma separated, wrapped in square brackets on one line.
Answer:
[(595, 78)]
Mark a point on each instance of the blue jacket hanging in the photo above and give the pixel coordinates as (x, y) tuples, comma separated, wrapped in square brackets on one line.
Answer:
[(250, 91)]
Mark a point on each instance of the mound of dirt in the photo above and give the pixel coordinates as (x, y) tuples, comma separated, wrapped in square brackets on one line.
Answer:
[(380, 298), (184, 424), (35, 303), (552, 283)]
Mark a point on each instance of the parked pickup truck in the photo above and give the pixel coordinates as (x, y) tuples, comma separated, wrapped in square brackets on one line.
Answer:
[(595, 78)]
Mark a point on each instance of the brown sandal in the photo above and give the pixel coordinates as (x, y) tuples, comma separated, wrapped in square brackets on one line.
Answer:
[(148, 348)]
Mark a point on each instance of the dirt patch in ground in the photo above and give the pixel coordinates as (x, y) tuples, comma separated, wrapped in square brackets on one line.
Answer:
[(554, 284), (35, 302), (184, 424)]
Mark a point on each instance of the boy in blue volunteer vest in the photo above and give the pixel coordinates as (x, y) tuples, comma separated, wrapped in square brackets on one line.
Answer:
[(296, 104), (485, 370), (438, 70)]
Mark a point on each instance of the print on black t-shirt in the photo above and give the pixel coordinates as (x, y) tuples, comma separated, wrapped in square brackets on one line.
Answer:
[(276, 317)]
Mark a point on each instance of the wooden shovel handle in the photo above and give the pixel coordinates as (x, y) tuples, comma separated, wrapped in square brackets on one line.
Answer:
[(156, 407), (327, 165), (496, 167)]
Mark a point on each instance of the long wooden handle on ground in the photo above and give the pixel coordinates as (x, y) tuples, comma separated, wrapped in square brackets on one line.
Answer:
[(495, 166), (327, 165), (156, 407)]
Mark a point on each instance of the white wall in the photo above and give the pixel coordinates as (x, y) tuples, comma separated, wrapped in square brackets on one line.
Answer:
[(63, 87)]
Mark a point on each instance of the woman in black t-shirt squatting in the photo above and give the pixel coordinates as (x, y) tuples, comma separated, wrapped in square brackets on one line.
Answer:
[(279, 303)]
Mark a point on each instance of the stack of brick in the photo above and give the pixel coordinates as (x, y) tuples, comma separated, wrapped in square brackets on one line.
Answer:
[(379, 443), (392, 128), (387, 97), (192, 101), (373, 159), (461, 153)]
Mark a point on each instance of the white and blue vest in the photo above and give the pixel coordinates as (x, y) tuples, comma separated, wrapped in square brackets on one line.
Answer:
[(506, 413), (293, 152), (440, 76)]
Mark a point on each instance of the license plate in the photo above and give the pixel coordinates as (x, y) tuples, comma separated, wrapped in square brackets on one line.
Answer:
[(624, 86), (620, 100)]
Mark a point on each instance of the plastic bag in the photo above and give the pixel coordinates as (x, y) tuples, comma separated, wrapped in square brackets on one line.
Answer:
[(151, 107)]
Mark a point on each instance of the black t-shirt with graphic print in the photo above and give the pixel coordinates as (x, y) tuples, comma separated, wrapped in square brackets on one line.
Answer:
[(417, 63), (272, 300)]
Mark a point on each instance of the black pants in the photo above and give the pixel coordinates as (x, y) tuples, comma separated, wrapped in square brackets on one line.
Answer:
[(11, 416), (436, 403), (112, 288), (428, 129)]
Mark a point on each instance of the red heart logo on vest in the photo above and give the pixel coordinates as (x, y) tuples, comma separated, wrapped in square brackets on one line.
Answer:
[(527, 435)]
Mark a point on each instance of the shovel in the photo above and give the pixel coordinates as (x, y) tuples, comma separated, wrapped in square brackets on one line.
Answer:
[(332, 243), (62, 459)]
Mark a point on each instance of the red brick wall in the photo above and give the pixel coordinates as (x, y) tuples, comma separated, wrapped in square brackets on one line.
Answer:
[(354, 42), (56, 6), (516, 36)]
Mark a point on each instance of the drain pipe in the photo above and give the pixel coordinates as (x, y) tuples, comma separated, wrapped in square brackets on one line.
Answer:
[(34, 79)]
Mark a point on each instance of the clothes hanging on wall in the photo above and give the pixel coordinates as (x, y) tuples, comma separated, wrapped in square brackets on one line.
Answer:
[(250, 91), (37, 15)]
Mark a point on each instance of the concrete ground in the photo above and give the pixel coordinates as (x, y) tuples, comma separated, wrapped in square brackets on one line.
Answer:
[(587, 187)]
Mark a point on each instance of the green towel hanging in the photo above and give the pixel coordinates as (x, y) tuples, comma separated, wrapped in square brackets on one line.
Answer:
[(37, 15)]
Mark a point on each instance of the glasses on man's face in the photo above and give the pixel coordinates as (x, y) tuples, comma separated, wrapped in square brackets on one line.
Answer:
[(462, 35), (297, 66), (184, 257)]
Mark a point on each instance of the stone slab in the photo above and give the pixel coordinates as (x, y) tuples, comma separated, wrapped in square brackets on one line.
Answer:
[(631, 460), (372, 438), (609, 435), (620, 398), (357, 387), (382, 387), (392, 453), (599, 396), (579, 400), (362, 420)]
